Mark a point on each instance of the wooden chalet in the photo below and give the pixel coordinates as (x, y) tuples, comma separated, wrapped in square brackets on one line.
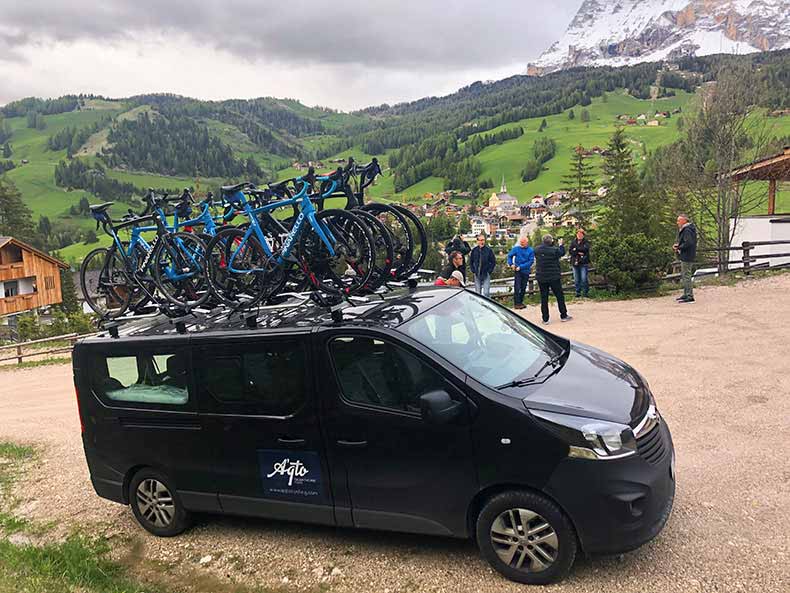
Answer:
[(29, 278), (771, 169)]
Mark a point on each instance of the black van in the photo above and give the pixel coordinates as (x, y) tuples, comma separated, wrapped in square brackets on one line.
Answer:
[(433, 411)]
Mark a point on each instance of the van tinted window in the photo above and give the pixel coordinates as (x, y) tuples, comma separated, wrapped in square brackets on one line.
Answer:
[(142, 378), (378, 373), (267, 379)]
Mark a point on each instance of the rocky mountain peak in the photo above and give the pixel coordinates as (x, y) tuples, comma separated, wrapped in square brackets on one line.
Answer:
[(620, 32)]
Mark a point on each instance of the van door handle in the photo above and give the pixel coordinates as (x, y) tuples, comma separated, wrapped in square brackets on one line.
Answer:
[(290, 442), (352, 444)]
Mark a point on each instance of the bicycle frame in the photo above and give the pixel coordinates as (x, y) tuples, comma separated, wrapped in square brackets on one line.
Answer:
[(307, 213)]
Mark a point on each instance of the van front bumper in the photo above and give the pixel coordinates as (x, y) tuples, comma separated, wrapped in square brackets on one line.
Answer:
[(620, 504)]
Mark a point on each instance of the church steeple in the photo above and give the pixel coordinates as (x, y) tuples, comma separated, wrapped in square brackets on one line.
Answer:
[(503, 189)]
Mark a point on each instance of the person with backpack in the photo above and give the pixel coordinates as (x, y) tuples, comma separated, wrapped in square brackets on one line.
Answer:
[(549, 276), (482, 261)]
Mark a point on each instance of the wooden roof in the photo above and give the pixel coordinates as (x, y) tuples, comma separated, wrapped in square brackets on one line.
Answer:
[(22, 245), (776, 167)]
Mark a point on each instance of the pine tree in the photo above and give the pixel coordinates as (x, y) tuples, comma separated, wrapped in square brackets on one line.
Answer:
[(585, 115), (15, 217), (579, 184), (464, 224), (70, 304), (571, 114), (543, 125), (627, 215), (7, 151)]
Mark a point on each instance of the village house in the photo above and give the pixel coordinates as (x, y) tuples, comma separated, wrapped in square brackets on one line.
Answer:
[(29, 278)]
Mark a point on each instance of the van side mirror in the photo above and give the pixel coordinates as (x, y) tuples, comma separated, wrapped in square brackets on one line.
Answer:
[(437, 407)]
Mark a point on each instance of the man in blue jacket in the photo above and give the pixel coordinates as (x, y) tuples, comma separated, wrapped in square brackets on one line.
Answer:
[(482, 262), (520, 259)]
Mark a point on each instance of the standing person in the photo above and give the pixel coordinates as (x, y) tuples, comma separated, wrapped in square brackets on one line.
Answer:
[(520, 258), (580, 261), (686, 248), (482, 261), (548, 275), (462, 247)]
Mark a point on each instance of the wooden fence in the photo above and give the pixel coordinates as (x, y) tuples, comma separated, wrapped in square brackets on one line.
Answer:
[(23, 351)]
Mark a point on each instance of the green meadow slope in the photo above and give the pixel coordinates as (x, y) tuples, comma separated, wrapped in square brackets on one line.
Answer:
[(35, 178)]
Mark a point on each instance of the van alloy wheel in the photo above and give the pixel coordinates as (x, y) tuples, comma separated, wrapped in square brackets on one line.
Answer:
[(155, 503), (524, 540)]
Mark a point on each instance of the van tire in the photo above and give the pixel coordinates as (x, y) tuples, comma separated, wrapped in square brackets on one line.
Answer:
[(531, 511), (156, 504)]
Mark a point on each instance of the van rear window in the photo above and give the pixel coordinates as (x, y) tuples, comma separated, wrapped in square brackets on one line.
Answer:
[(144, 378)]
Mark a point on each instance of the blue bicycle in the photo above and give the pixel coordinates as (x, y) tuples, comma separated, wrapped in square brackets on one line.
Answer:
[(332, 249), (133, 272)]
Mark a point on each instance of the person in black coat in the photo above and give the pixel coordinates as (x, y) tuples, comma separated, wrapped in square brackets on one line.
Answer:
[(548, 274), (482, 261), (462, 247), (686, 248), (579, 251)]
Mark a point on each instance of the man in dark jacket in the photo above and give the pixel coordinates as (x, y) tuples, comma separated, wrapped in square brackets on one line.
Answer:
[(580, 260), (462, 247), (482, 261), (548, 275), (686, 248)]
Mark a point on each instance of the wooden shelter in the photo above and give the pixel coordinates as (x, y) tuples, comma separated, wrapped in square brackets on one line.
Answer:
[(29, 278), (771, 169)]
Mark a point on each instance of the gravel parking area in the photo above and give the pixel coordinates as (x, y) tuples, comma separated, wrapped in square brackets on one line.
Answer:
[(719, 371)]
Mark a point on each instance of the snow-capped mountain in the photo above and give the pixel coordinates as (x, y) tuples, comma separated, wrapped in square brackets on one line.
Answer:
[(618, 32)]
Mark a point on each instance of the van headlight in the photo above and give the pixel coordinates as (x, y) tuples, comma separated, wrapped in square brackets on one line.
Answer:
[(589, 438)]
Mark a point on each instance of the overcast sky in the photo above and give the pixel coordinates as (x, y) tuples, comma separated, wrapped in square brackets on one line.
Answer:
[(340, 53)]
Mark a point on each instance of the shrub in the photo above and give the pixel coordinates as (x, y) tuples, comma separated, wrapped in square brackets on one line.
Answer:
[(630, 262)]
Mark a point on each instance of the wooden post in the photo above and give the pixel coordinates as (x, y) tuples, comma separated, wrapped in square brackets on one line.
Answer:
[(19, 354), (747, 247), (771, 197)]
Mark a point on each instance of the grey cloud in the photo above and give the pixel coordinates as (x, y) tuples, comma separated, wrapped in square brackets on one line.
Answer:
[(425, 36)]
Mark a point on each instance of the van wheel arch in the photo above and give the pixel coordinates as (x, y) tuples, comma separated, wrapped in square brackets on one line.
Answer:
[(127, 481), (481, 498)]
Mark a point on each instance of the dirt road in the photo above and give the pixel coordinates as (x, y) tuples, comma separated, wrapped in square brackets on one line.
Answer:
[(719, 371)]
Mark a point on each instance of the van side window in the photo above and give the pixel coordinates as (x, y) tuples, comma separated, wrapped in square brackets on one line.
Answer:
[(378, 373), (143, 378), (268, 379)]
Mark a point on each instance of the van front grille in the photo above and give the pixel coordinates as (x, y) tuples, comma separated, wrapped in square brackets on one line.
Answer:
[(651, 446)]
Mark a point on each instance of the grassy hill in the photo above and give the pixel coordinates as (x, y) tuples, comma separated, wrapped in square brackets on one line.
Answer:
[(273, 133)]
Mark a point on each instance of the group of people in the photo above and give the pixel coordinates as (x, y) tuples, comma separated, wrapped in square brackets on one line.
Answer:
[(546, 260)]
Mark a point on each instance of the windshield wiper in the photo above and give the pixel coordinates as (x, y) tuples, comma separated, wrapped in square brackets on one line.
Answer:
[(553, 361)]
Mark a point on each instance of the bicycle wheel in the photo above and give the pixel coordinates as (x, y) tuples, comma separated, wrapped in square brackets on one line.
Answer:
[(384, 249), (419, 245), (402, 237), (180, 269), (239, 272), (105, 283), (349, 269)]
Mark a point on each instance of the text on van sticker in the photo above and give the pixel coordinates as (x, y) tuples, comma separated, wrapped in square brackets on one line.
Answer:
[(292, 469)]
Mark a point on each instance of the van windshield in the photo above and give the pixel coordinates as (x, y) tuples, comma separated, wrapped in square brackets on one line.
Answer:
[(487, 342)]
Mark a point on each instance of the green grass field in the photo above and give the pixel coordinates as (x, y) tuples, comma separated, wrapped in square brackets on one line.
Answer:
[(35, 179)]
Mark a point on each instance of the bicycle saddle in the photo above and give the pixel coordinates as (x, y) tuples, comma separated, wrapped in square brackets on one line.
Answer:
[(101, 207), (232, 189)]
